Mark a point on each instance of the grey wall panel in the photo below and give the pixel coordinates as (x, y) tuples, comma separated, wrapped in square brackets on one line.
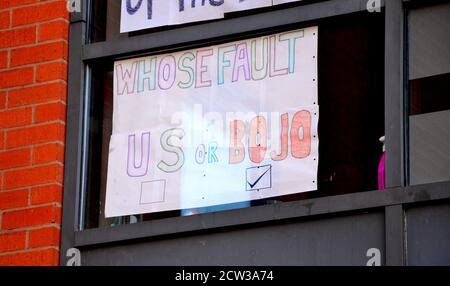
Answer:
[(428, 235), (334, 241), (430, 147), (429, 41)]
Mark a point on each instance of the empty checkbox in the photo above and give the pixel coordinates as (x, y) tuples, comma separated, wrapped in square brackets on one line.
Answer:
[(153, 192)]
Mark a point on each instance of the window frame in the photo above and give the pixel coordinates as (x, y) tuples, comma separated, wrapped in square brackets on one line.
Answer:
[(82, 53)]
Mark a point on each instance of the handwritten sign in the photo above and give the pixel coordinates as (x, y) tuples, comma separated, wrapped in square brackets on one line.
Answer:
[(144, 14), (215, 125)]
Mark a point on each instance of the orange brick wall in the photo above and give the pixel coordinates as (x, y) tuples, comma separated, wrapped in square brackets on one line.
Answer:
[(33, 90)]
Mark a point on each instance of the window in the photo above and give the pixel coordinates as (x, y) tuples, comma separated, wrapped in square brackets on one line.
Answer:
[(375, 77), (351, 100), (429, 94)]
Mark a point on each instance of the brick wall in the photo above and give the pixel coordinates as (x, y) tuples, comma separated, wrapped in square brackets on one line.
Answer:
[(33, 89)]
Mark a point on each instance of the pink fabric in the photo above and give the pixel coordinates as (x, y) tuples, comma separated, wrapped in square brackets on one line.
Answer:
[(381, 172)]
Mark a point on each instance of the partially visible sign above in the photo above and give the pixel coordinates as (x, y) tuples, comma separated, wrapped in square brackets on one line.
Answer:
[(144, 14)]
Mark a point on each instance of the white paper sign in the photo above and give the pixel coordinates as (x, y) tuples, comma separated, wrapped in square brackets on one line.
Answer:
[(138, 15), (144, 14), (277, 2), (239, 5), (216, 125)]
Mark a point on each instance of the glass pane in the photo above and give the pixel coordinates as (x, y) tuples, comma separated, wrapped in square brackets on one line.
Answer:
[(429, 94), (351, 100)]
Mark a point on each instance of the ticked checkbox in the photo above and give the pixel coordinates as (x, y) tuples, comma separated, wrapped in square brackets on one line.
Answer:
[(258, 178)]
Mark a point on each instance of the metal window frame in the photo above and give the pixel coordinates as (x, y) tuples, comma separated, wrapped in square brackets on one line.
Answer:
[(393, 201)]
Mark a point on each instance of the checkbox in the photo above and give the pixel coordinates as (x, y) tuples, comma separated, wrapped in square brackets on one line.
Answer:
[(258, 178), (153, 192)]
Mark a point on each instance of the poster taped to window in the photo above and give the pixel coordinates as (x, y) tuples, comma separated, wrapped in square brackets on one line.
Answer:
[(216, 125), (143, 14)]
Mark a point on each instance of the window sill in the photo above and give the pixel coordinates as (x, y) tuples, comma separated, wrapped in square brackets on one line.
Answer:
[(264, 214)]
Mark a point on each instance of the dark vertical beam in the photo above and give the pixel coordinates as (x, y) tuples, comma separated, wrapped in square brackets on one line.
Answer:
[(74, 129), (394, 128), (394, 101), (395, 235)]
